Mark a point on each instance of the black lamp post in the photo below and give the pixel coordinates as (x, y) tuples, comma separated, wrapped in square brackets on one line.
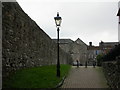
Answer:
[(58, 22)]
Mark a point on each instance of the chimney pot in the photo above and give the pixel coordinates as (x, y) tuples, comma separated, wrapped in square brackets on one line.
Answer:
[(90, 43)]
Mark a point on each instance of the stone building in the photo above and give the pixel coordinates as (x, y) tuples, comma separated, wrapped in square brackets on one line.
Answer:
[(77, 49), (82, 51)]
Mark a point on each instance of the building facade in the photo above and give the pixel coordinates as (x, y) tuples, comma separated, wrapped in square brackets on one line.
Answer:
[(107, 46), (83, 52), (92, 52), (77, 49), (82, 56), (118, 14)]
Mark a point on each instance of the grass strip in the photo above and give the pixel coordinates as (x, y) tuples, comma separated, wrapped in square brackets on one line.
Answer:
[(37, 77)]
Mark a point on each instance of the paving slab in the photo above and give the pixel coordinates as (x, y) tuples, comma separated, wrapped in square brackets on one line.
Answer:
[(85, 78)]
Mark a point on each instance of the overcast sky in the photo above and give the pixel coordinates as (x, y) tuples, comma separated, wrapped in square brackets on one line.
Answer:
[(89, 20)]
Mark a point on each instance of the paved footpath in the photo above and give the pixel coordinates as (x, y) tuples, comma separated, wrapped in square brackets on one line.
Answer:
[(85, 78)]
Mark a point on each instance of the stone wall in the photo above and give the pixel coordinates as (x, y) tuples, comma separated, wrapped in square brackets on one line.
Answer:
[(0, 45), (112, 73), (77, 53), (82, 50), (24, 43), (77, 49)]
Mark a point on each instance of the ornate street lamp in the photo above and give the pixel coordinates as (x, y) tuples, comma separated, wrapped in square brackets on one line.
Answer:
[(58, 22)]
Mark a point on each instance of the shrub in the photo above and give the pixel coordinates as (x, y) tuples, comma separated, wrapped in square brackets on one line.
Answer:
[(99, 59)]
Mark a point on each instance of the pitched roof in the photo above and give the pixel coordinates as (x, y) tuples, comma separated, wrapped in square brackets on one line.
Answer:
[(79, 41)]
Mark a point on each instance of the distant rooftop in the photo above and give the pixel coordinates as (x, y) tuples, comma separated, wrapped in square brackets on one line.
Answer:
[(94, 48), (79, 41), (63, 41), (108, 43)]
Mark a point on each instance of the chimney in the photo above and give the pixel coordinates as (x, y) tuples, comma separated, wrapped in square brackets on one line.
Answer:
[(90, 43), (101, 43)]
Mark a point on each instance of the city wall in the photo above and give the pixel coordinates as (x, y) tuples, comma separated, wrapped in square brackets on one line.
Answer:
[(24, 43)]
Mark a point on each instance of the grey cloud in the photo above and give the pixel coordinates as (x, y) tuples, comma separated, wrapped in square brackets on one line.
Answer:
[(90, 21)]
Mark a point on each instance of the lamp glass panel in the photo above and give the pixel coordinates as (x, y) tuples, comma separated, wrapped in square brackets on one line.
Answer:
[(58, 22)]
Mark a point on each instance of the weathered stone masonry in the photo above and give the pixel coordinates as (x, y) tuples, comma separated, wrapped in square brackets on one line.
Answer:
[(24, 43)]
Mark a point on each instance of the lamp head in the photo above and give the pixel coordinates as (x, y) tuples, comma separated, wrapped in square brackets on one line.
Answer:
[(58, 20)]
